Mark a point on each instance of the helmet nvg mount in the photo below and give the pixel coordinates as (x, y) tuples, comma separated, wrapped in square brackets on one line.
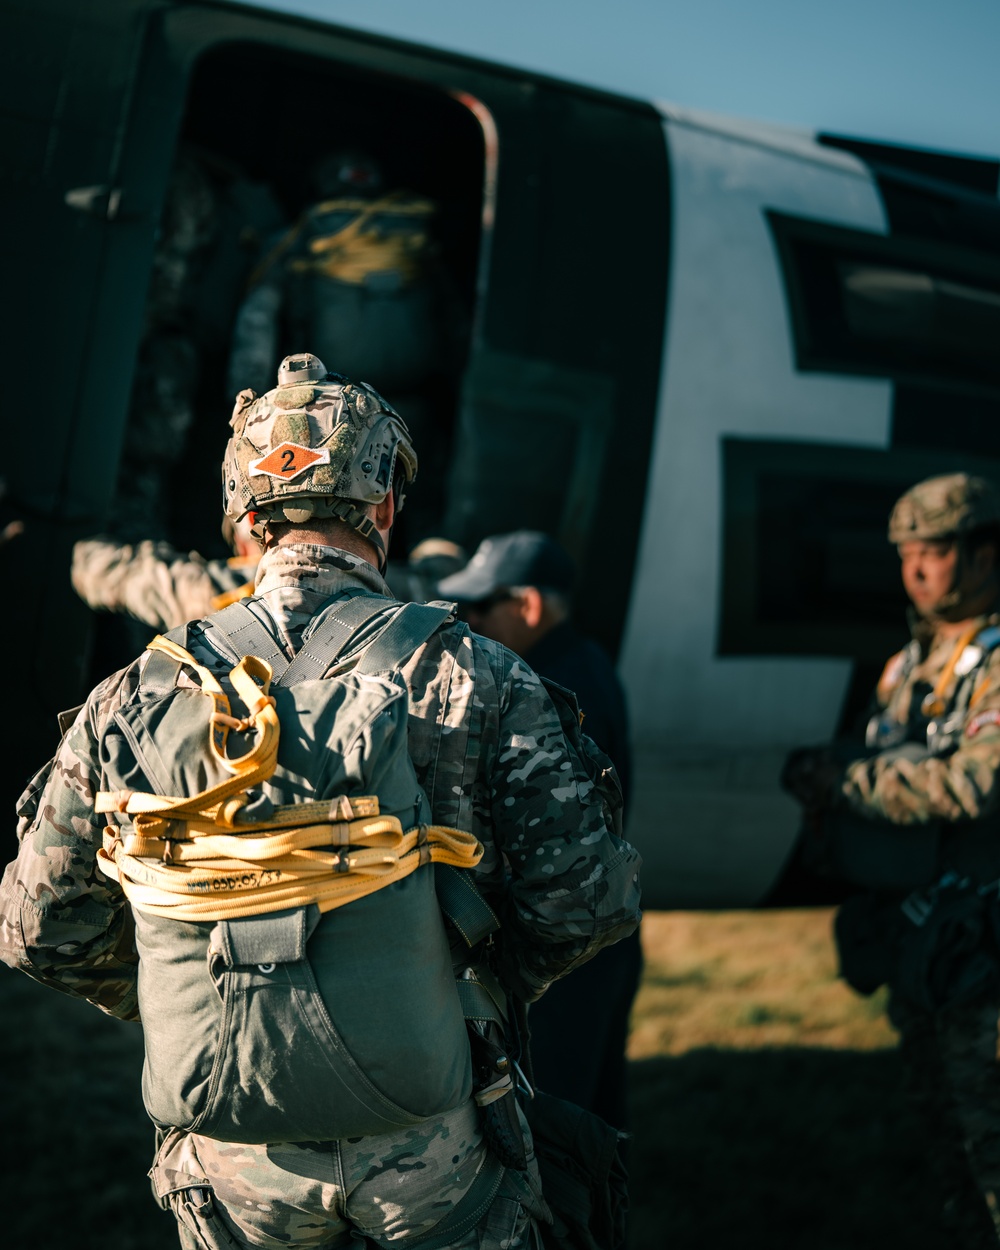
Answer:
[(317, 445), (944, 507)]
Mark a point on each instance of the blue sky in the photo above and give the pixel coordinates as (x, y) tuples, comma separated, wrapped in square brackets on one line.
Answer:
[(924, 72)]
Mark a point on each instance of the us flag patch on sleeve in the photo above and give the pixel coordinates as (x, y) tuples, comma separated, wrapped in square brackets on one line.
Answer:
[(982, 719)]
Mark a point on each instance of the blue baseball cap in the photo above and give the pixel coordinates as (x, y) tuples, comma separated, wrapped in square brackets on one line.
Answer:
[(523, 558)]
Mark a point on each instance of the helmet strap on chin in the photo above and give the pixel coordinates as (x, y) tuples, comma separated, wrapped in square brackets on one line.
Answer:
[(958, 603), (944, 609)]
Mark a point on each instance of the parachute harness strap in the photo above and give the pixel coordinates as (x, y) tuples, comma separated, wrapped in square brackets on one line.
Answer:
[(935, 703), (195, 859)]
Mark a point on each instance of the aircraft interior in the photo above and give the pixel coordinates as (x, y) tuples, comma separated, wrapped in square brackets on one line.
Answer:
[(259, 128)]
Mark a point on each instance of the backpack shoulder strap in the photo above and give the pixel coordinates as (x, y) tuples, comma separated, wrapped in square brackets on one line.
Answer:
[(159, 676), (463, 904), (409, 629), (247, 634), (332, 636)]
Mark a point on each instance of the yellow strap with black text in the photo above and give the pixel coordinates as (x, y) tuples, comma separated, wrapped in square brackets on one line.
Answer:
[(194, 858)]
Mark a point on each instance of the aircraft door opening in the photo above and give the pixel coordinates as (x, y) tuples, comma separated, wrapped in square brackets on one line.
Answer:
[(312, 206)]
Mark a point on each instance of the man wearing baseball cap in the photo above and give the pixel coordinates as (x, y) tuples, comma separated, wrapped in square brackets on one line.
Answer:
[(517, 590)]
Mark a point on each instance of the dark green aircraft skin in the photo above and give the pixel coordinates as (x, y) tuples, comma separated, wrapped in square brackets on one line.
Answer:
[(559, 390)]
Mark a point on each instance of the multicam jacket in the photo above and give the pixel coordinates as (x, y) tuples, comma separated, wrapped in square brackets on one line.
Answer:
[(942, 692), (155, 583), (563, 884)]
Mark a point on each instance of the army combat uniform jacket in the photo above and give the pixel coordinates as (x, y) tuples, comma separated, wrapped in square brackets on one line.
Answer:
[(488, 748), (154, 583), (942, 694), (563, 883)]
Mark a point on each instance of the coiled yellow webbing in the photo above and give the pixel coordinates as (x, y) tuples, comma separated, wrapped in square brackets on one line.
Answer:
[(360, 248), (186, 859)]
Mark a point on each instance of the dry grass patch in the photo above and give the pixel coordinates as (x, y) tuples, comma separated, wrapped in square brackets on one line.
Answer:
[(767, 1099), (747, 980)]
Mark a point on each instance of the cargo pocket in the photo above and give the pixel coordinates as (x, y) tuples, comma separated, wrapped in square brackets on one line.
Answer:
[(199, 1224), (179, 1187), (505, 1226)]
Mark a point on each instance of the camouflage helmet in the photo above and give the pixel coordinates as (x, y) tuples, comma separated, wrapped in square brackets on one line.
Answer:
[(315, 446), (941, 507)]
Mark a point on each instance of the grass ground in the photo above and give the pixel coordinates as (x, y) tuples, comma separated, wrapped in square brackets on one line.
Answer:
[(767, 1103), (767, 1098)]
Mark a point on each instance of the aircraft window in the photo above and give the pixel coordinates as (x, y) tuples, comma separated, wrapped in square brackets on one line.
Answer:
[(920, 314), (807, 568), (917, 311)]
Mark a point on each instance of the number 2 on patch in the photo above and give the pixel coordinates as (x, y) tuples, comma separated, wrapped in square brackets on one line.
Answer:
[(289, 460)]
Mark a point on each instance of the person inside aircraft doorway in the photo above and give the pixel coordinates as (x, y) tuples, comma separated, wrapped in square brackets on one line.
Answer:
[(359, 276), (516, 590), (911, 818)]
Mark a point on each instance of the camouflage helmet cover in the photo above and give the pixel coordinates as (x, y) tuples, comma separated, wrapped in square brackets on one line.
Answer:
[(314, 442), (940, 507)]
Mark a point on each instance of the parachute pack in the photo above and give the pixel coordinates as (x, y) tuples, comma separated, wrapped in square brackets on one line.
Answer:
[(269, 831)]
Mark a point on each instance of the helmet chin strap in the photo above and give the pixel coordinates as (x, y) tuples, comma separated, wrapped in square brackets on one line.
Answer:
[(362, 524), (957, 605), (343, 509), (948, 607)]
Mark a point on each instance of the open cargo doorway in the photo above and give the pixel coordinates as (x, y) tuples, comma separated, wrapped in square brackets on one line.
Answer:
[(280, 158)]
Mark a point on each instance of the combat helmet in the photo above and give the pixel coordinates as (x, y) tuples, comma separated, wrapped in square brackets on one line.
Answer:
[(318, 445), (949, 506)]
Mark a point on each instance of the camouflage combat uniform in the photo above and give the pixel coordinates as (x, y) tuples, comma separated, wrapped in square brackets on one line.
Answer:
[(933, 760), (950, 1055), (154, 582), (487, 746), (960, 782)]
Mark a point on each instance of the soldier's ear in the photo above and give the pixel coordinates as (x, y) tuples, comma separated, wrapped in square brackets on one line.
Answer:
[(532, 606), (385, 513)]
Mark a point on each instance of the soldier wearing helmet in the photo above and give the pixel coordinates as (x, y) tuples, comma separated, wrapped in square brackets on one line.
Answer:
[(320, 466), (911, 817), (359, 275), (316, 447)]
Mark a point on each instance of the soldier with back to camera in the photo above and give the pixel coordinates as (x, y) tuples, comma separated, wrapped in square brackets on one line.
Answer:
[(234, 844), (913, 817), (359, 275)]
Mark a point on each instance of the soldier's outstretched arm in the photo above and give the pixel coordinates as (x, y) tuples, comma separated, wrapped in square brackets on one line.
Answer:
[(573, 885), (61, 920), (963, 785), (152, 582)]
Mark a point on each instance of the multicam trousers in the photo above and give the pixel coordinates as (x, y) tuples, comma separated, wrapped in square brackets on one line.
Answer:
[(227, 1196), (953, 1069)]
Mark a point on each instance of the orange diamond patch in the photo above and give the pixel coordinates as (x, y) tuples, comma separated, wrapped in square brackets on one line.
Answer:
[(289, 460)]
